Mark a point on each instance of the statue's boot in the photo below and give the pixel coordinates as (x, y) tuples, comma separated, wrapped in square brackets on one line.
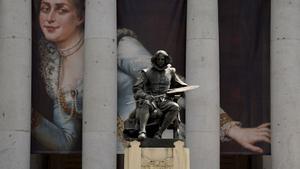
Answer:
[(142, 135), (143, 116)]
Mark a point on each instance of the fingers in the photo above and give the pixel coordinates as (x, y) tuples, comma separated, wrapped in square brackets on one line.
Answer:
[(264, 139), (267, 135), (253, 148), (260, 135), (264, 125), (264, 130)]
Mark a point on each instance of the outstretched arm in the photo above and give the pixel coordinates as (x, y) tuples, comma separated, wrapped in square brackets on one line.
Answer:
[(246, 137)]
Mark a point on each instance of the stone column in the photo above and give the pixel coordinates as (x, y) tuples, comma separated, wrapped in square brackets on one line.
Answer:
[(285, 83), (202, 68), (15, 83), (100, 86)]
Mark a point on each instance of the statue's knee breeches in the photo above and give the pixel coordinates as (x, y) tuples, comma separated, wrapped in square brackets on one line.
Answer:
[(170, 106), (143, 107), (174, 107)]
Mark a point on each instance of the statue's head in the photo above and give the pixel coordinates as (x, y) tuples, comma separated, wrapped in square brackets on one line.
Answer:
[(161, 59)]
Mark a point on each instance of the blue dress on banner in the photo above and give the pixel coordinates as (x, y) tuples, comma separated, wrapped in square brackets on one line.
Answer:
[(63, 132)]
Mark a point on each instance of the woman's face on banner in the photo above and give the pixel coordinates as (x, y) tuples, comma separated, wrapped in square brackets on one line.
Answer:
[(59, 19)]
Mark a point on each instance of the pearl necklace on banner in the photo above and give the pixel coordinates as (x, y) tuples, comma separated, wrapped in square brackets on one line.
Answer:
[(73, 49), (64, 53)]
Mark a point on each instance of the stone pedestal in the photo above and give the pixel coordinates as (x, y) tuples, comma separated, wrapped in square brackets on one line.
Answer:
[(137, 157)]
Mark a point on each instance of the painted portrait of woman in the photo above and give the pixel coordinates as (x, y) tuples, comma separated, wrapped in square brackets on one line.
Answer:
[(61, 69)]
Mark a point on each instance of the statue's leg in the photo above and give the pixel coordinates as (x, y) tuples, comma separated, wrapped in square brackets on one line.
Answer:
[(172, 110), (143, 114), (176, 126)]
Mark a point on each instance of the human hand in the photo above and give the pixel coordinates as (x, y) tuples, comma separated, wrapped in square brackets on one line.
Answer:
[(248, 137), (35, 118)]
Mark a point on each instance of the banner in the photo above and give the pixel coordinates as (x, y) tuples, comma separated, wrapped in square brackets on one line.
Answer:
[(145, 26), (57, 76), (244, 29)]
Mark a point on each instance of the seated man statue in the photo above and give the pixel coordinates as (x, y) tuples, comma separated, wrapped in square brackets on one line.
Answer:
[(150, 93)]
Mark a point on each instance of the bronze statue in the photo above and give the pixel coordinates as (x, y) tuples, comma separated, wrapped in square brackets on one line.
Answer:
[(154, 104)]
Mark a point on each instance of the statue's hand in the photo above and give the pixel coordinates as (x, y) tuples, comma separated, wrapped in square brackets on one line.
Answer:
[(156, 113), (248, 137), (149, 97)]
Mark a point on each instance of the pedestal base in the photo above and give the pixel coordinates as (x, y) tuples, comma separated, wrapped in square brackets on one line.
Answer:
[(137, 157)]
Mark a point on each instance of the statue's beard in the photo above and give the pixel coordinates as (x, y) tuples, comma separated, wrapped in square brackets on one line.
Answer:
[(160, 68)]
